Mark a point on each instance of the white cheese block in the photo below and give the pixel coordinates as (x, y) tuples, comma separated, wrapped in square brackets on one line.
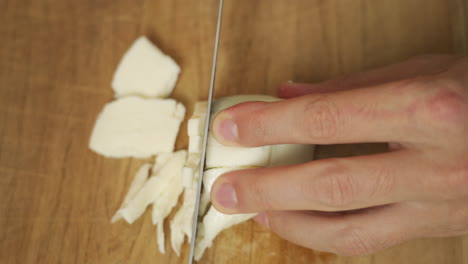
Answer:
[(137, 127), (195, 144), (145, 71)]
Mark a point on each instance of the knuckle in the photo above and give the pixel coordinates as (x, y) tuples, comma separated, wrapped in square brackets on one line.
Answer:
[(335, 188), (382, 182), (355, 242), (445, 104), (459, 219), (458, 179), (321, 119), (259, 124), (339, 186)]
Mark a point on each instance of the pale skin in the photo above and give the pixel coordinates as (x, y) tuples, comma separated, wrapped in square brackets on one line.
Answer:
[(358, 205)]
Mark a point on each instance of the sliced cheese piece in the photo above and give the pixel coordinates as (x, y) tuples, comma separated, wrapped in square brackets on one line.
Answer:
[(195, 144), (195, 126), (138, 181), (160, 238), (137, 206), (196, 123), (188, 175), (145, 71), (213, 223), (137, 127), (191, 169), (156, 188), (181, 225), (159, 162), (168, 190)]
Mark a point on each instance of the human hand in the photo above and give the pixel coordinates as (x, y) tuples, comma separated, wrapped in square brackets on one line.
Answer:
[(358, 205)]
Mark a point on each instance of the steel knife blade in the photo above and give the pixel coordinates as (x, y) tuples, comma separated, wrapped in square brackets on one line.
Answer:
[(205, 135)]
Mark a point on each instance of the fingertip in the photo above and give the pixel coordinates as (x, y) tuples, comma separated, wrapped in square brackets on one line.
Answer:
[(227, 129)]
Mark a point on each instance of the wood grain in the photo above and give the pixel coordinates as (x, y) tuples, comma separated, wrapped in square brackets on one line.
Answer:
[(56, 62)]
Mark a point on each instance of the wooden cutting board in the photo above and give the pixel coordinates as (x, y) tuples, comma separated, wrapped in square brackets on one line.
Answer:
[(57, 58)]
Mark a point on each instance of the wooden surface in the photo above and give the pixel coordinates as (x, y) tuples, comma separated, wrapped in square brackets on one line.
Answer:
[(57, 58)]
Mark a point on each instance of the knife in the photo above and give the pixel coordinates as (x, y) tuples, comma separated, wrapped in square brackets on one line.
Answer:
[(205, 135)]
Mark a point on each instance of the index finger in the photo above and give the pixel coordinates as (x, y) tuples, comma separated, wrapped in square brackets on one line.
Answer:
[(383, 113)]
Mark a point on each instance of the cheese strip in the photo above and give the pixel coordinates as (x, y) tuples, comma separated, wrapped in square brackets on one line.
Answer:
[(168, 191), (138, 181)]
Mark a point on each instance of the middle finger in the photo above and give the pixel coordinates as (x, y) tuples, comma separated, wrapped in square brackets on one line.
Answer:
[(324, 185)]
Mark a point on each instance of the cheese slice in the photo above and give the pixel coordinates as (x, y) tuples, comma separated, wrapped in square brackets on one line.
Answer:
[(137, 127), (138, 181), (145, 71), (169, 189), (181, 225)]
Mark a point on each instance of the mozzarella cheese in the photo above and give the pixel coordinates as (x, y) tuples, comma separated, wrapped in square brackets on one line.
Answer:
[(138, 181), (145, 71), (137, 127), (168, 190)]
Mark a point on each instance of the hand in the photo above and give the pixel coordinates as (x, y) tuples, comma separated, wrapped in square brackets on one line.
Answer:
[(358, 205)]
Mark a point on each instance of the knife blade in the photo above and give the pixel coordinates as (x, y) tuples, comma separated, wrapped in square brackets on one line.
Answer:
[(205, 135)]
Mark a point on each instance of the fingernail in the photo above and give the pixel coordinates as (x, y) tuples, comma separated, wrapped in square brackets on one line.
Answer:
[(226, 196), (262, 218), (228, 130)]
